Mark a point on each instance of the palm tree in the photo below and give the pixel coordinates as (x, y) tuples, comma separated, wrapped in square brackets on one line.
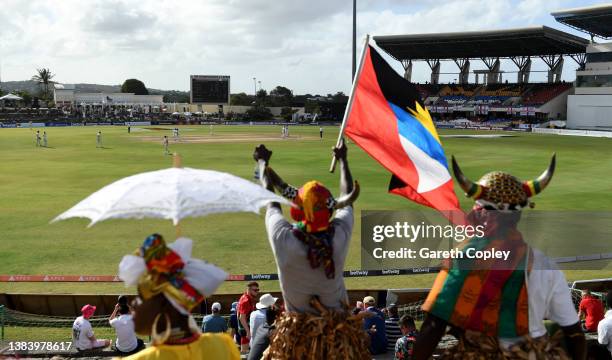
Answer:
[(43, 77)]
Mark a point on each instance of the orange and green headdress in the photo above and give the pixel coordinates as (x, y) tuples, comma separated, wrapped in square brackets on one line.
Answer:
[(315, 205), (169, 269)]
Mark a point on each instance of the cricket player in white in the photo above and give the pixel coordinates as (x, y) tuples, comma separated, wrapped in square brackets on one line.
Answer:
[(165, 142)]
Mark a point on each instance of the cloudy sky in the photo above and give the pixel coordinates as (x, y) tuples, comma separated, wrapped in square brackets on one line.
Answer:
[(303, 45)]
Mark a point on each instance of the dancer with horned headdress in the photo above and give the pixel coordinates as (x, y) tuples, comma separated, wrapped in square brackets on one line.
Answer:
[(496, 308), (310, 256)]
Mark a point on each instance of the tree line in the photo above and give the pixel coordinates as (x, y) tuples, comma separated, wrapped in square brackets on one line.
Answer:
[(280, 96)]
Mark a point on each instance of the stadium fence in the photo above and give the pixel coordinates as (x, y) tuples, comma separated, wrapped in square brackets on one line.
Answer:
[(13, 318)]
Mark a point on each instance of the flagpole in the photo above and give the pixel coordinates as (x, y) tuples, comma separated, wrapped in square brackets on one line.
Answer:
[(354, 52), (349, 105)]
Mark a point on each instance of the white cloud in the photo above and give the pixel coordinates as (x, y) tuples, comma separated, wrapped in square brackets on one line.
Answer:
[(116, 18), (304, 45)]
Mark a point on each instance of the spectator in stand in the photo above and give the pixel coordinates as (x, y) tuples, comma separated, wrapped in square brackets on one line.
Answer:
[(592, 310), (405, 344), (246, 305), (604, 329), (392, 327), (358, 308), (126, 343), (83, 336), (261, 339), (123, 300), (258, 317), (375, 327), (214, 323), (235, 333)]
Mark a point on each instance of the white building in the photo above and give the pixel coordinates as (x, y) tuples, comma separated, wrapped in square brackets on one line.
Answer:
[(591, 106), (67, 95)]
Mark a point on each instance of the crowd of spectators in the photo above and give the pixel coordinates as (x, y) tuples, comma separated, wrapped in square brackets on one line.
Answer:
[(492, 94), (82, 115), (252, 322)]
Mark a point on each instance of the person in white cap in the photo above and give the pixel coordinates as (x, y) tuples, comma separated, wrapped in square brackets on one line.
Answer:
[(214, 323), (258, 317), (375, 326)]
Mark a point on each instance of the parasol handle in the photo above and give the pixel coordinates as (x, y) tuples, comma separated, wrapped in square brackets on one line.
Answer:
[(177, 228), (261, 168), (176, 161)]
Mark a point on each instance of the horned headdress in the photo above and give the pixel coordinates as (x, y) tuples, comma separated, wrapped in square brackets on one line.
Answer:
[(502, 191)]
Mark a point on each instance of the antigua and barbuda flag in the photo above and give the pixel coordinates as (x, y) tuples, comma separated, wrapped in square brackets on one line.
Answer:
[(389, 121)]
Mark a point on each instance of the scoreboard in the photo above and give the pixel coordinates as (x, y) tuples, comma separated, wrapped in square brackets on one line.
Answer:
[(210, 89)]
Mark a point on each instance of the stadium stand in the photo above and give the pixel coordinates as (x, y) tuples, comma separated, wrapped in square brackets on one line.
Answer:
[(492, 94), (466, 90), (456, 94), (542, 93), (506, 90), (427, 90), (491, 97), (497, 93)]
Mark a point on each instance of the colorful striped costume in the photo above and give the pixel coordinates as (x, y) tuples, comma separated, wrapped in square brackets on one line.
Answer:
[(487, 296)]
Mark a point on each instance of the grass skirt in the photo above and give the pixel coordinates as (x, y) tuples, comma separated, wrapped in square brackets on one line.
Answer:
[(328, 335), (474, 345)]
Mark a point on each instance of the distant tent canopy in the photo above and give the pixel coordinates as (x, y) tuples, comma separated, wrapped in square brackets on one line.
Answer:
[(11, 97)]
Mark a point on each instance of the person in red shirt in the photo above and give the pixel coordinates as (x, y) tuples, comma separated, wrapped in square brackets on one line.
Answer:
[(592, 309), (246, 305)]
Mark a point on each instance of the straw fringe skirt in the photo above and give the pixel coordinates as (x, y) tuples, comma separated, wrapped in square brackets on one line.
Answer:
[(329, 335), (475, 345)]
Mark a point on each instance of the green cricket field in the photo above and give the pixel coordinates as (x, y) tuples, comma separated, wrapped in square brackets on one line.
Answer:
[(37, 184)]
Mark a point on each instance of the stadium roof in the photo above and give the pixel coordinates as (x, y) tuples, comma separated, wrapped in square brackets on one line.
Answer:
[(595, 20), (530, 41)]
